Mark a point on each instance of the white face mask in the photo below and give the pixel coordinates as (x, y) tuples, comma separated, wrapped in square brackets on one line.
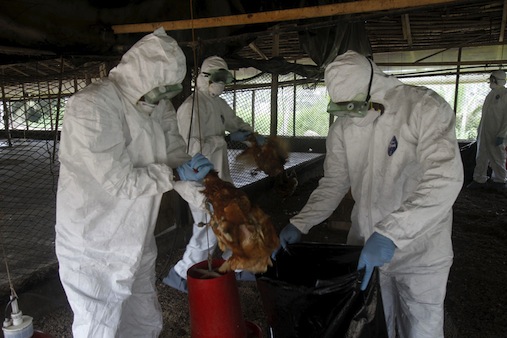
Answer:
[(215, 89)]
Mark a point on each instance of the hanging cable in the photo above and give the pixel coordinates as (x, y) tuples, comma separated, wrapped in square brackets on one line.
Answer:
[(195, 97), (11, 287)]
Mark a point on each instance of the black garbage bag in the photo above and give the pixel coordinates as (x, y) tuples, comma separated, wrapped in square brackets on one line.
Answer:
[(312, 291)]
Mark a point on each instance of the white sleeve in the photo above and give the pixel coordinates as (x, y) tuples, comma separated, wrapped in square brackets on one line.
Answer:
[(332, 187), (190, 191), (175, 144), (98, 140), (232, 121)]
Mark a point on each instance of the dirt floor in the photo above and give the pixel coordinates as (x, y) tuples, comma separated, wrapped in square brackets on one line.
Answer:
[(476, 303)]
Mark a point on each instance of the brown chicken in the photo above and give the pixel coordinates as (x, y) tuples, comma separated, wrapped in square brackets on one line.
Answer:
[(270, 157), (239, 226)]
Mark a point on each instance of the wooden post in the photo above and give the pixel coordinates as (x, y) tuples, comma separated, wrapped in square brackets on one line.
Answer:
[(456, 88), (6, 116)]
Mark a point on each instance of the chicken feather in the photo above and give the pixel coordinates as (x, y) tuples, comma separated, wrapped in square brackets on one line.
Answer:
[(239, 226)]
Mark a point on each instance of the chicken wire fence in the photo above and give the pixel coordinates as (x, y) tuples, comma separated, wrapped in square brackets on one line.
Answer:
[(32, 113), (302, 105)]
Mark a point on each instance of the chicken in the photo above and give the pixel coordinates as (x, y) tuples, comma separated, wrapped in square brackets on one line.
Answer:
[(270, 157), (285, 183), (239, 226)]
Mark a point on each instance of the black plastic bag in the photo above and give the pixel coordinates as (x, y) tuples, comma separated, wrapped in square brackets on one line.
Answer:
[(312, 291)]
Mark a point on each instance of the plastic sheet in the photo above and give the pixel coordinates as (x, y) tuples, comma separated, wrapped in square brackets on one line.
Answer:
[(312, 291)]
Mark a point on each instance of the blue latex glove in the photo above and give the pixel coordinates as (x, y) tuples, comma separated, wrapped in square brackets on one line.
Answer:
[(499, 141), (260, 139), (195, 169), (289, 235), (240, 135), (377, 251)]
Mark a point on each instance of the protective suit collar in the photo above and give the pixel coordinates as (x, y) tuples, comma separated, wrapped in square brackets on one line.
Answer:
[(154, 61), (370, 116)]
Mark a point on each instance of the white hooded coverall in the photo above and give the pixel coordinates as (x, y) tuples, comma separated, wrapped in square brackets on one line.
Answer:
[(116, 157), (210, 117), (405, 172), (493, 124)]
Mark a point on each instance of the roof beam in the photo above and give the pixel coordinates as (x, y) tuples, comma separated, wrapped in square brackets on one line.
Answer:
[(405, 26), (344, 8), (256, 49)]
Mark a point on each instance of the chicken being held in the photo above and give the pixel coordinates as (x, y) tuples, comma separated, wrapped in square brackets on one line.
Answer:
[(268, 157), (239, 226)]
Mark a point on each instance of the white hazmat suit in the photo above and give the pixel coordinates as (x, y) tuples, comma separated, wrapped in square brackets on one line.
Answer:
[(203, 119), (403, 167), (492, 133), (117, 155)]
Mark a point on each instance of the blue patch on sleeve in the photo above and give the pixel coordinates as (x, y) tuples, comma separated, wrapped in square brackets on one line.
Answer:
[(393, 145)]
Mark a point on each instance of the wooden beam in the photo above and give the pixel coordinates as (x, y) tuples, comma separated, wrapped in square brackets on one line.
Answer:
[(256, 49), (405, 26), (344, 8)]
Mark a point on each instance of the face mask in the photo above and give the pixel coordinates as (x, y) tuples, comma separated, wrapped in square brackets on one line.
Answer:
[(215, 89), (358, 107), (493, 82), (162, 92)]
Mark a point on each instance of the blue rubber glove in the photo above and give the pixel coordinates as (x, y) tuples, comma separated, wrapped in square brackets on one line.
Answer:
[(240, 135), (289, 235), (260, 139), (195, 169), (498, 141), (377, 251)]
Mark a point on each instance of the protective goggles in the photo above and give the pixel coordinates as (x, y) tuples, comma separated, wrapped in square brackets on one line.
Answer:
[(219, 75), (163, 92), (358, 107), (492, 79)]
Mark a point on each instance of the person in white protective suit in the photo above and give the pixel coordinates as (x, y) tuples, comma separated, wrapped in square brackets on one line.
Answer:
[(394, 146), (491, 136), (119, 145), (203, 119)]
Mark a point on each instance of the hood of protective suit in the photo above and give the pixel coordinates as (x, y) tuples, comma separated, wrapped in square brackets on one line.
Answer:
[(349, 75), (208, 65), (155, 60), (499, 75)]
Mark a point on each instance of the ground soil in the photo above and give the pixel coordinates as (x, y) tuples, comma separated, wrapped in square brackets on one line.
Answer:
[(476, 302)]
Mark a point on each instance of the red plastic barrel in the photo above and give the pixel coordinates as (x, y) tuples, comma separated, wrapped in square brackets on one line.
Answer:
[(215, 308)]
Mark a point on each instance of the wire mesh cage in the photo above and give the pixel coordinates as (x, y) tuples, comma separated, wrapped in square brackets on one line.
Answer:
[(32, 112)]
